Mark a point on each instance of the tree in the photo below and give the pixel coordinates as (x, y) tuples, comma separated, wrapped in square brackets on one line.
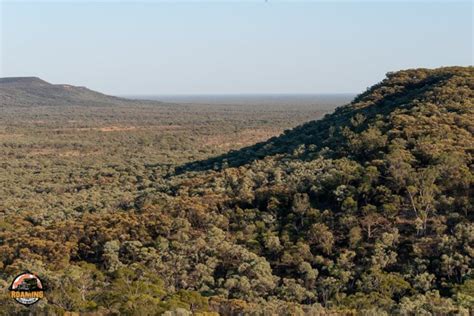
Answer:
[(422, 195), (300, 207), (321, 237)]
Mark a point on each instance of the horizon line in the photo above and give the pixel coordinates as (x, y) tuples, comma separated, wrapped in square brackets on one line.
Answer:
[(235, 94)]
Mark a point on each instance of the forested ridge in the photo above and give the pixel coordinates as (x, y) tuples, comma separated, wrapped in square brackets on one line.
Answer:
[(367, 211)]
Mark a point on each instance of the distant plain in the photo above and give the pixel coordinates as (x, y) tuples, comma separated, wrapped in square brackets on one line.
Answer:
[(49, 148)]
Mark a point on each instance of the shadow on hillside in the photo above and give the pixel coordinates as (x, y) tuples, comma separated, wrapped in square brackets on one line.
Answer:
[(324, 132)]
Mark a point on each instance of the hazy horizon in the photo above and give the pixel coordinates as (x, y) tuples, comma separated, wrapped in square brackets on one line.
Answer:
[(238, 47), (322, 100)]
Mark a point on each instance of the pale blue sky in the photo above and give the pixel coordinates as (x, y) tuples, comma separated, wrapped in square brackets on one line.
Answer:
[(197, 47)]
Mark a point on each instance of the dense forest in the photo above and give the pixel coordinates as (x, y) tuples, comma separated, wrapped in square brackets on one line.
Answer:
[(366, 211)]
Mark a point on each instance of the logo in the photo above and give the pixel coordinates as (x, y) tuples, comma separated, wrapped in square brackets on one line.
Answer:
[(27, 289)]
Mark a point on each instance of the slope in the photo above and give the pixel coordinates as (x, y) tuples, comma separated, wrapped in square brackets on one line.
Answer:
[(33, 91), (411, 92), (368, 209)]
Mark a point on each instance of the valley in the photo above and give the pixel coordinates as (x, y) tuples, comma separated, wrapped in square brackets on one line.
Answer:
[(140, 207)]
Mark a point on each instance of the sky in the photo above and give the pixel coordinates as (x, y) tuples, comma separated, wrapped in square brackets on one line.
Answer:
[(230, 47)]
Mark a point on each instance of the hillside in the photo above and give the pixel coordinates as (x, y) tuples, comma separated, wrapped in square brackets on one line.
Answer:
[(33, 91), (417, 93), (373, 201), (369, 208), (367, 211)]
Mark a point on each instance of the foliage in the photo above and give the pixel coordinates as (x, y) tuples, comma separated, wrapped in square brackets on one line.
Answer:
[(368, 210)]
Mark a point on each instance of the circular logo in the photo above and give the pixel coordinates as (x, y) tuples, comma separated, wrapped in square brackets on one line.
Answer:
[(27, 289)]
